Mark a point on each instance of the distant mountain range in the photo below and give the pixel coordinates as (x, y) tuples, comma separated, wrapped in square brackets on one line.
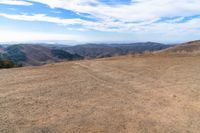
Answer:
[(1, 48), (28, 54), (107, 50), (38, 54)]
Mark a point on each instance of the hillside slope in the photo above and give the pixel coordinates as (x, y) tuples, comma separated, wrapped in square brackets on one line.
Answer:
[(143, 94), (30, 54), (37, 54), (186, 48), (1, 49)]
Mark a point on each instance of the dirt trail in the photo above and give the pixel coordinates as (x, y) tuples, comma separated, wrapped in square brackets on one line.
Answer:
[(155, 94)]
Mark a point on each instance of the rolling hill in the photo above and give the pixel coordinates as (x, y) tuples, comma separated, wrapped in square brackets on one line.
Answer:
[(1, 49), (192, 47), (36, 54), (29, 54), (108, 50)]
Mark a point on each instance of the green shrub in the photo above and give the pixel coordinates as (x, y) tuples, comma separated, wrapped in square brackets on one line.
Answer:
[(8, 64)]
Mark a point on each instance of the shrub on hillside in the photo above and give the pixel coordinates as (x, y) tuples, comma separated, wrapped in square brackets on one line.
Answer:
[(8, 64)]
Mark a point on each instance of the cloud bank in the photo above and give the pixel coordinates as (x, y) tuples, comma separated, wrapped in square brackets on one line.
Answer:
[(15, 2), (140, 17)]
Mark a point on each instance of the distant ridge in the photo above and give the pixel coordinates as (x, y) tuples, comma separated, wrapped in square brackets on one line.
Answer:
[(36, 54), (1, 49), (107, 50), (39, 54)]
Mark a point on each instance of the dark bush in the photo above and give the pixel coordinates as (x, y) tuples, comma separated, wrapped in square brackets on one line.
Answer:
[(7, 64)]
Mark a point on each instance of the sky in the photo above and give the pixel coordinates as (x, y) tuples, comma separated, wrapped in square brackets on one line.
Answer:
[(166, 21)]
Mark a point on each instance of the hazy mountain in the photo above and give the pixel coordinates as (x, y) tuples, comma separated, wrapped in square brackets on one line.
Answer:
[(36, 54), (32, 54), (61, 54), (1, 49), (103, 50)]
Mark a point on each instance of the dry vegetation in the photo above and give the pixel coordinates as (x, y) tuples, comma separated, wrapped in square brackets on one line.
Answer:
[(141, 94), (190, 48)]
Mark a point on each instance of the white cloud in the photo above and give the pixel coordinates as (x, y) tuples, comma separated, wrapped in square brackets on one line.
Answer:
[(45, 18), (139, 17), (109, 25), (138, 10), (136, 16), (16, 36), (15, 2), (41, 17)]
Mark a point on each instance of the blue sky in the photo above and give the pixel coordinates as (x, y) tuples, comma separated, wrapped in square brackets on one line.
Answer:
[(167, 21)]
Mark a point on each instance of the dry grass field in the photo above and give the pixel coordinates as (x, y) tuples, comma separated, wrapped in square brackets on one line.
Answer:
[(141, 94)]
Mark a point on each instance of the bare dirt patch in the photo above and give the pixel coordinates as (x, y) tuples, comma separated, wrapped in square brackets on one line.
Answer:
[(144, 94)]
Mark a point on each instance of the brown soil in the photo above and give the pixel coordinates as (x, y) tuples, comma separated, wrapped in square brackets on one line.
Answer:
[(144, 94)]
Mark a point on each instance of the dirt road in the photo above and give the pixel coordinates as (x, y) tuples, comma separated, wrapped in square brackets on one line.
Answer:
[(155, 94)]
